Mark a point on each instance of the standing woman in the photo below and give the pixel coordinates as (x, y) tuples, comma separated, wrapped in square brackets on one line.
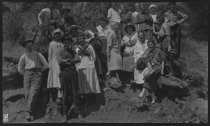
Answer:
[(128, 43), (125, 16), (54, 59), (140, 48), (113, 52), (88, 83), (114, 14)]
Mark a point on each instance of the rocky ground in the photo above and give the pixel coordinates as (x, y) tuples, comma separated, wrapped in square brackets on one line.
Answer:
[(121, 106)]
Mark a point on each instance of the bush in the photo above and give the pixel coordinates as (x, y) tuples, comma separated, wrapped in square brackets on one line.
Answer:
[(13, 27)]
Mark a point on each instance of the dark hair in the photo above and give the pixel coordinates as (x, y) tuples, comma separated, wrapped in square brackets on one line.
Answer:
[(23, 43), (66, 10), (126, 28), (141, 63), (104, 20)]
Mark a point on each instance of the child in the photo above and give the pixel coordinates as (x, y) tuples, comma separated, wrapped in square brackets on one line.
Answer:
[(31, 65), (69, 78), (54, 59), (154, 68)]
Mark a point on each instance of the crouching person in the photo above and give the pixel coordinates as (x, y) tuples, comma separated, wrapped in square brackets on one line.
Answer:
[(31, 65), (153, 66), (69, 80)]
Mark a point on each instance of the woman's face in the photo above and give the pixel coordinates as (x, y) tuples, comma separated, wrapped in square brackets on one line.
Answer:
[(57, 36), (130, 30), (103, 24), (122, 8), (141, 37), (74, 39)]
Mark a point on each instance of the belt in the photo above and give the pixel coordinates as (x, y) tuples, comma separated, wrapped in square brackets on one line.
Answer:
[(35, 69)]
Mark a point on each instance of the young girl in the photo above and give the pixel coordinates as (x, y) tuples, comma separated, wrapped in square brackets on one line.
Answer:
[(31, 65), (128, 43), (54, 59), (139, 49)]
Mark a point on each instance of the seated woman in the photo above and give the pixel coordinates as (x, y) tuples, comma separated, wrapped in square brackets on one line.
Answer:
[(153, 65), (127, 44)]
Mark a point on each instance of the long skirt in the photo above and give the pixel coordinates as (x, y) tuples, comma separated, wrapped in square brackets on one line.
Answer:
[(128, 63), (88, 81), (115, 62), (53, 80)]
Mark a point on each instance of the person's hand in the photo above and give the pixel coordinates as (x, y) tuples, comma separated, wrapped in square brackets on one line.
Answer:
[(108, 57), (52, 21)]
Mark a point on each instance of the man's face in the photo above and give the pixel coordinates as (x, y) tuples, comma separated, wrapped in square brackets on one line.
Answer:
[(57, 36), (29, 46), (122, 8), (103, 24), (153, 10)]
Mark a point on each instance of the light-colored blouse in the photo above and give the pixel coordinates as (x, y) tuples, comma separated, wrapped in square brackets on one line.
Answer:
[(29, 61)]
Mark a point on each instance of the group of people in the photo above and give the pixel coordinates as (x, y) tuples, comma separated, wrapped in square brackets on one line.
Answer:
[(138, 43)]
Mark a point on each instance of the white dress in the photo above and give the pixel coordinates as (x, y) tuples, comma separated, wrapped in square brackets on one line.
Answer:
[(139, 50), (54, 68)]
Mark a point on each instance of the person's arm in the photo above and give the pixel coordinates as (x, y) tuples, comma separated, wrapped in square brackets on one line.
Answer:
[(184, 17), (109, 15), (44, 62), (50, 51), (162, 68), (92, 52), (40, 17), (21, 65), (109, 45)]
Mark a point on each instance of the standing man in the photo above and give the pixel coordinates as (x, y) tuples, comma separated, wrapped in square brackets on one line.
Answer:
[(31, 65)]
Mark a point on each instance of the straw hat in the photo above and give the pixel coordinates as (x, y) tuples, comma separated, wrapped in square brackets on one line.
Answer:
[(152, 6), (57, 31)]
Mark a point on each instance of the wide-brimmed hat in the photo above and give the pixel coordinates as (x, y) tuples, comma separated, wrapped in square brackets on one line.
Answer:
[(129, 25), (152, 6), (57, 31), (143, 27)]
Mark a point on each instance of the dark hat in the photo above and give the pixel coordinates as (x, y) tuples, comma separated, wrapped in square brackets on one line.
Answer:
[(65, 10), (144, 26), (129, 25), (23, 43)]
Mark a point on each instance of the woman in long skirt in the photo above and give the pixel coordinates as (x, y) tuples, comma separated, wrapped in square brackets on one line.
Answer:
[(128, 43), (54, 59)]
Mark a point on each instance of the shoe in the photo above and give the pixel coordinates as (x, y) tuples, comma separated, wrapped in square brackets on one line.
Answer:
[(28, 116)]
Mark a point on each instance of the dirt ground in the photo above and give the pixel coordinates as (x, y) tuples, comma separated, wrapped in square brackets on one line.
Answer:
[(122, 107)]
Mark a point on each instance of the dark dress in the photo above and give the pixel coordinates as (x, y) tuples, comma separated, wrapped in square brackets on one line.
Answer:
[(69, 79)]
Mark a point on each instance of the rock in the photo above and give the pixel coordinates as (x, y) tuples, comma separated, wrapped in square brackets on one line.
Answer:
[(172, 81)]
